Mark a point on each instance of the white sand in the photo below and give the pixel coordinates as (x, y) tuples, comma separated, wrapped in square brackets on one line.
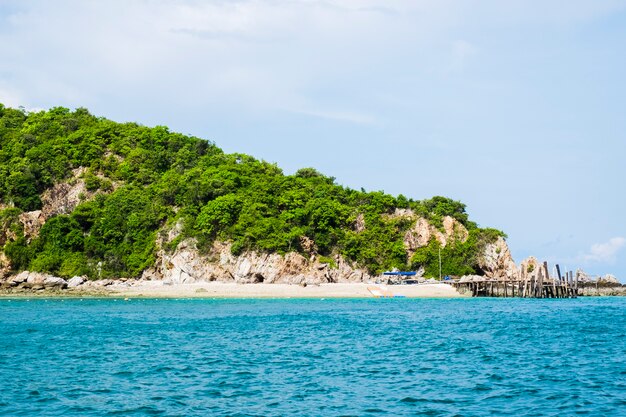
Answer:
[(232, 290)]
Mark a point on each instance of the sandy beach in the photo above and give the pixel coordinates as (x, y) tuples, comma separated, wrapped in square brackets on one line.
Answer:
[(41, 285), (159, 289)]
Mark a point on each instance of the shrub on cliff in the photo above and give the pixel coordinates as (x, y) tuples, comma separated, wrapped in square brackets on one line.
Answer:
[(144, 178)]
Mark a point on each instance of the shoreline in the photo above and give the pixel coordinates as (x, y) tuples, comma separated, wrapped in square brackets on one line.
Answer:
[(159, 289), (232, 290)]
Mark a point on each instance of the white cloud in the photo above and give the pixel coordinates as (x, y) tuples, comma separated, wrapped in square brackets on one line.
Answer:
[(267, 54), (604, 252), (263, 54)]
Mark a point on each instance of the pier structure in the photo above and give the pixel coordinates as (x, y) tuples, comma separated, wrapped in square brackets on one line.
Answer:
[(528, 284)]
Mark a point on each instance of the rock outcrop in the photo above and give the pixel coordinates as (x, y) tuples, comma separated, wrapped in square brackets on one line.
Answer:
[(5, 265), (496, 261), (186, 264), (36, 281), (608, 279), (422, 231), (32, 222), (76, 281), (529, 267), (472, 278), (61, 198)]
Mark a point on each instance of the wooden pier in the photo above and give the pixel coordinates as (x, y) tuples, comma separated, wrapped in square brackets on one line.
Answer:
[(529, 284)]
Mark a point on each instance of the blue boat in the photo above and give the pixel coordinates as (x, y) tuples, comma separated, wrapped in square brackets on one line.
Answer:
[(401, 273)]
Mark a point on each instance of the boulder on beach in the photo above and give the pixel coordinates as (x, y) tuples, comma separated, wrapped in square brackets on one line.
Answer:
[(472, 278), (51, 282), (35, 278), (19, 278), (76, 281), (36, 281)]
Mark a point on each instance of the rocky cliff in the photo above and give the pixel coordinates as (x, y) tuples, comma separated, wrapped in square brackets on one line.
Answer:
[(187, 263), (81, 195)]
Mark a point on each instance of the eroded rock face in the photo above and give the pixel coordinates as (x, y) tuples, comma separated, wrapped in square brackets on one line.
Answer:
[(32, 222), (497, 262), (5, 266), (175, 231), (609, 279), (420, 234), (308, 245), (454, 230), (62, 198), (582, 276), (187, 265), (529, 267), (605, 280)]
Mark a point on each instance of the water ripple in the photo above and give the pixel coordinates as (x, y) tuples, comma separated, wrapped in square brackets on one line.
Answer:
[(313, 357)]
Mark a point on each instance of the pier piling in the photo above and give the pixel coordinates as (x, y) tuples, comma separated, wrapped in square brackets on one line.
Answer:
[(536, 284)]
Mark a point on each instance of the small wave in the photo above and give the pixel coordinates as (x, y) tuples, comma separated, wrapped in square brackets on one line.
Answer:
[(143, 410), (411, 400), (290, 357)]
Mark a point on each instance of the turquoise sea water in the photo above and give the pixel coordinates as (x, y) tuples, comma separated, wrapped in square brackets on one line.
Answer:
[(470, 357)]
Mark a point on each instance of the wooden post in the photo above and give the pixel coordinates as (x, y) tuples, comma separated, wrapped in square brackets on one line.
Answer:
[(526, 283), (545, 267), (561, 282), (569, 284), (536, 284)]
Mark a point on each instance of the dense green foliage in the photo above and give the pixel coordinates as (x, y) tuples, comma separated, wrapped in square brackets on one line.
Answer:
[(145, 178)]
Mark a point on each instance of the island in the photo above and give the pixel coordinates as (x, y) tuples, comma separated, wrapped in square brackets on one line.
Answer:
[(90, 204)]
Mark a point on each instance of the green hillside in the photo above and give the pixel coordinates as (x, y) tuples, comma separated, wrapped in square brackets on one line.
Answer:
[(147, 178)]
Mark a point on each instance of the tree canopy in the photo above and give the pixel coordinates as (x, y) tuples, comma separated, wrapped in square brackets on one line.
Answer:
[(146, 178)]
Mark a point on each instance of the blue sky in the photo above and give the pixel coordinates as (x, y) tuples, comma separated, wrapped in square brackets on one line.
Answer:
[(516, 108)]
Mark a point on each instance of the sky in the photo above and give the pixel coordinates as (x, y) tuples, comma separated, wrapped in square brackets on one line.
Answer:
[(516, 108)]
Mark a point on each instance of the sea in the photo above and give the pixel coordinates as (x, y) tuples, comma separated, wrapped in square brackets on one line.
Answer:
[(313, 357)]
